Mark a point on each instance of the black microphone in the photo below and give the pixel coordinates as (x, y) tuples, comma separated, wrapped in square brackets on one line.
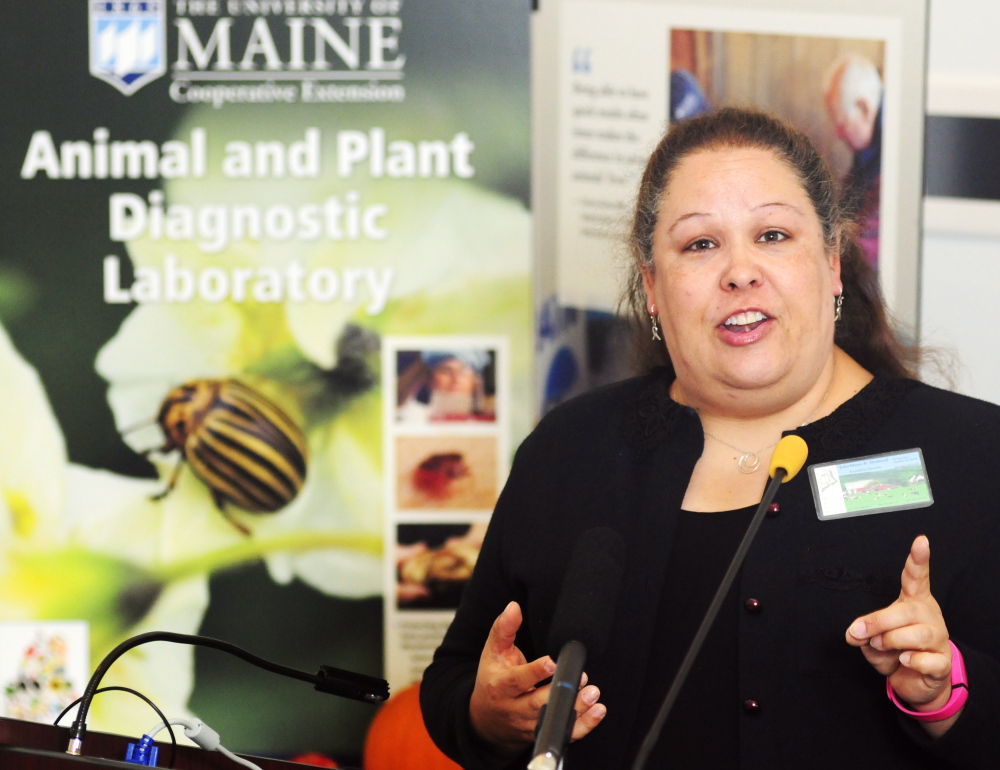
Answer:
[(329, 680), (787, 460), (581, 624)]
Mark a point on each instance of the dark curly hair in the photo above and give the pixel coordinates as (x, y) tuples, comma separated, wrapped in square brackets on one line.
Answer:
[(864, 331)]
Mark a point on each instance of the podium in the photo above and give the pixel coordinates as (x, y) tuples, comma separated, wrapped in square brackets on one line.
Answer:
[(32, 746)]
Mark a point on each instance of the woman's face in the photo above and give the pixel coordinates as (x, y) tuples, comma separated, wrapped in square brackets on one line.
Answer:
[(742, 283)]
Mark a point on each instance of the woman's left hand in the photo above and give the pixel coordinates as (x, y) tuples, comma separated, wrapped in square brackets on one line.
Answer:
[(908, 640)]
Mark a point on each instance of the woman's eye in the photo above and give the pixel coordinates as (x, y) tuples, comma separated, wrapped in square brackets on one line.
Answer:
[(772, 236), (699, 245)]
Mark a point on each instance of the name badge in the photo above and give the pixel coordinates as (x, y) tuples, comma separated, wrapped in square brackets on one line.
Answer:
[(894, 481)]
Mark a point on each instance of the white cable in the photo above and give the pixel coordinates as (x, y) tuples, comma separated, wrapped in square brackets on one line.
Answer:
[(244, 762), (205, 737)]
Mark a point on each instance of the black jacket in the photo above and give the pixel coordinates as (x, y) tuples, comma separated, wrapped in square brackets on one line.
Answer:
[(622, 457)]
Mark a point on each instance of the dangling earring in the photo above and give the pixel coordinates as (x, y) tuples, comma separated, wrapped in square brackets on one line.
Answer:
[(655, 324), (840, 304)]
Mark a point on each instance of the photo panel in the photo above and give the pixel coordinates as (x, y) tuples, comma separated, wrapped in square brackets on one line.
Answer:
[(446, 385), (448, 472), (624, 69), (446, 450), (434, 562)]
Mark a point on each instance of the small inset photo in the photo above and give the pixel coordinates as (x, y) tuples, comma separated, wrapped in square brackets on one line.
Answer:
[(446, 472), (434, 386), (434, 562), (44, 666)]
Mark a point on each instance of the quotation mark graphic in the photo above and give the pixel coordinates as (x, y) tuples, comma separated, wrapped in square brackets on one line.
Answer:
[(581, 59)]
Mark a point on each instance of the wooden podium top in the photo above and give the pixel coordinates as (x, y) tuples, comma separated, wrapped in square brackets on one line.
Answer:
[(32, 746)]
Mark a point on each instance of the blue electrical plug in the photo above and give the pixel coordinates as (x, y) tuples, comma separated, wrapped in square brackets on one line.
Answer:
[(143, 753)]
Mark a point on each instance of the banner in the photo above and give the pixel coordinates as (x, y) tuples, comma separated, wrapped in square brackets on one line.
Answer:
[(265, 272)]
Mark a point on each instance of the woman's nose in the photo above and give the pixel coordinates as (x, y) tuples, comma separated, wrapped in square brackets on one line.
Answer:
[(742, 270)]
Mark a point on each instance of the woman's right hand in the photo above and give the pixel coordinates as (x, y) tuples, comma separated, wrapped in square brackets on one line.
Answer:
[(506, 701)]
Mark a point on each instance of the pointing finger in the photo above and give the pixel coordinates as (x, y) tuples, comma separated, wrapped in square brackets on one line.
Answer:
[(504, 630), (916, 580)]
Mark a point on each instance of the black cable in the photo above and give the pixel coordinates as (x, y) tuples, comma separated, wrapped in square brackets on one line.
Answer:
[(173, 738), (329, 680)]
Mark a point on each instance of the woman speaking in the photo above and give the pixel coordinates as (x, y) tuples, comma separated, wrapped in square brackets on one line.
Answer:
[(834, 647)]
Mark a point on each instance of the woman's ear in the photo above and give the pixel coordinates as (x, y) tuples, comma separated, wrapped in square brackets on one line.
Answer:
[(833, 255), (648, 284)]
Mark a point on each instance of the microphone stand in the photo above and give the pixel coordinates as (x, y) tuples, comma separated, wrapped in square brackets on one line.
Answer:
[(713, 610), (329, 680)]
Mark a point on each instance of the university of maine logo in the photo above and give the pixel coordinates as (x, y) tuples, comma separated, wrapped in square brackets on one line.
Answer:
[(128, 42)]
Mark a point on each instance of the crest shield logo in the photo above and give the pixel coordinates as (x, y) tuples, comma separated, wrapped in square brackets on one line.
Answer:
[(128, 42)]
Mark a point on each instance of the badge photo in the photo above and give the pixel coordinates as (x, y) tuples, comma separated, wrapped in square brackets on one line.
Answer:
[(861, 486)]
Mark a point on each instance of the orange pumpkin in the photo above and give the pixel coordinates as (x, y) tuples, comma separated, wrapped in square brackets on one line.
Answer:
[(398, 740), (314, 759)]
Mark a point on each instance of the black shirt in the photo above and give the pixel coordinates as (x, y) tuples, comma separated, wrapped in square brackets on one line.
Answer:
[(703, 727)]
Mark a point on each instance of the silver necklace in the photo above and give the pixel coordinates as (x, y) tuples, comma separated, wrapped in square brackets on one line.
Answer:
[(748, 461)]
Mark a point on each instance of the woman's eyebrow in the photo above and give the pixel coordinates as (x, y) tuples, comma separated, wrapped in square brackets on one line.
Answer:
[(778, 203), (682, 217)]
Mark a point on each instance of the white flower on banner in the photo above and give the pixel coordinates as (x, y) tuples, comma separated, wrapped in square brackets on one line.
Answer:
[(440, 256), (73, 546)]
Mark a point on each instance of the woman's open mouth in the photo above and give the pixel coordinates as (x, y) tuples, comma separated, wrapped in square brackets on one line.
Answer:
[(741, 323)]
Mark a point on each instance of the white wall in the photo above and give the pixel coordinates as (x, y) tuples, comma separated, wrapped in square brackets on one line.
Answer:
[(960, 275), (963, 39)]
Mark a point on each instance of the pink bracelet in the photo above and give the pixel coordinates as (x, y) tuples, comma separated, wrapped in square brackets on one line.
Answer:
[(959, 692)]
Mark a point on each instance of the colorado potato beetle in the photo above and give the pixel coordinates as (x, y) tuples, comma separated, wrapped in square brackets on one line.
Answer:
[(242, 445)]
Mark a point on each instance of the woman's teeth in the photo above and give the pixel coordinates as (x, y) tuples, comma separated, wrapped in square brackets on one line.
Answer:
[(745, 319)]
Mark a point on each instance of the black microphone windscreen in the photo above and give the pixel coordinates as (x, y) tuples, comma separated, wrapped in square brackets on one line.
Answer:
[(586, 607)]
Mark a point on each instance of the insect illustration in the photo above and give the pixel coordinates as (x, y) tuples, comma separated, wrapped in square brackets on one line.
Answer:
[(436, 474), (242, 445)]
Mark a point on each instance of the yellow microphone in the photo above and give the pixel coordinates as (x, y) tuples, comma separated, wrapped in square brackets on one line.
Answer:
[(790, 455)]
